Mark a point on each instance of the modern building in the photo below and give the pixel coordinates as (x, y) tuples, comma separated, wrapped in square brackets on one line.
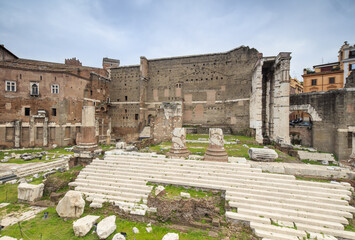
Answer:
[(330, 76)]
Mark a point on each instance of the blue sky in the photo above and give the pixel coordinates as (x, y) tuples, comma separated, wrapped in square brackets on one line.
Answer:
[(52, 30)]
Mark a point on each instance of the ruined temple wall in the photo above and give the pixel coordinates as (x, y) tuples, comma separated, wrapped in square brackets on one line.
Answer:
[(124, 94), (335, 115), (215, 88)]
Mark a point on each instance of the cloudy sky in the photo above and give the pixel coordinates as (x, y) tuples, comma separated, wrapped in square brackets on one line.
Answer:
[(52, 30)]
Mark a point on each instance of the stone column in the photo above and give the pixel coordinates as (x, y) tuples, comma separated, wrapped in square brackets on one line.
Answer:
[(215, 150), (86, 148), (32, 132), (45, 132), (352, 156), (178, 148), (17, 133)]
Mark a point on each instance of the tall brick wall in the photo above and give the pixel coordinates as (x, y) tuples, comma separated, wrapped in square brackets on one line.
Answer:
[(336, 109)]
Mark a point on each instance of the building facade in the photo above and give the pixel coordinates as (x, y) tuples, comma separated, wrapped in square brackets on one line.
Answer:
[(330, 76), (41, 102)]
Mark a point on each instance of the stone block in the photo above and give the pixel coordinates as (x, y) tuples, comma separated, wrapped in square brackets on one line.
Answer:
[(71, 205), (215, 150), (83, 225), (262, 154), (159, 190), (171, 236), (118, 236), (29, 192), (185, 195), (106, 227)]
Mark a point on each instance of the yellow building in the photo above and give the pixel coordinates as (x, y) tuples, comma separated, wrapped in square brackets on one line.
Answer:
[(330, 76), (295, 86)]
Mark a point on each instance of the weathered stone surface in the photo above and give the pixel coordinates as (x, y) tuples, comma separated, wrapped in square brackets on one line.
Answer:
[(121, 145), (71, 205), (118, 236), (149, 229), (106, 227), (159, 190), (315, 156), (135, 230), (171, 236), (95, 205), (7, 238), (215, 150), (83, 225), (262, 154), (185, 195), (29, 192), (178, 148)]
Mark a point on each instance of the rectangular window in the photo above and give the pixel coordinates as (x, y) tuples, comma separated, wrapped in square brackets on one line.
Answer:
[(331, 80), (55, 88), (126, 98), (351, 66), (27, 111), (136, 116), (54, 112), (10, 86), (314, 82)]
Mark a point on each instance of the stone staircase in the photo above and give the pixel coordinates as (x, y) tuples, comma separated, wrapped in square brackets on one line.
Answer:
[(30, 169), (277, 206)]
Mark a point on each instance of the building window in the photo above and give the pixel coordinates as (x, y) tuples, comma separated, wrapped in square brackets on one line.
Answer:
[(314, 82), (54, 112), (55, 88), (351, 66), (331, 80), (27, 111), (34, 89), (136, 116), (350, 139), (126, 98), (10, 86)]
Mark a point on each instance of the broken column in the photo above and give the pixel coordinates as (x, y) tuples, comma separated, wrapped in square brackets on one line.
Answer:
[(262, 154), (178, 148), (87, 148), (29, 192), (215, 150), (352, 156)]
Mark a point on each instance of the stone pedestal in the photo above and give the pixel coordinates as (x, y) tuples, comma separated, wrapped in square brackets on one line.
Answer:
[(87, 148), (215, 150), (178, 148)]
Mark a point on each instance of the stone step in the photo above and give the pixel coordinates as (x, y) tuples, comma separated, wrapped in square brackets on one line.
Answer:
[(114, 188), (27, 171), (236, 216), (109, 197), (300, 184), (274, 235), (262, 194), (189, 163), (303, 206), (278, 229), (279, 217), (226, 182), (129, 184), (292, 213), (325, 230), (343, 185), (122, 195)]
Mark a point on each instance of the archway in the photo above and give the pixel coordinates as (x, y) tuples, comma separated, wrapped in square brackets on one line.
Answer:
[(301, 126)]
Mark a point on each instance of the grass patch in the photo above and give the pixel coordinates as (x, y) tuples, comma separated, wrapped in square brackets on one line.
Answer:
[(173, 192), (306, 161), (8, 193), (56, 228), (312, 179)]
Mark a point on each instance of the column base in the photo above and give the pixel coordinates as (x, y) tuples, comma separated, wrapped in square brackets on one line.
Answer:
[(218, 155), (178, 153)]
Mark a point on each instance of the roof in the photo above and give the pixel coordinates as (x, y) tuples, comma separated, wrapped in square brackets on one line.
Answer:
[(5, 49), (327, 64)]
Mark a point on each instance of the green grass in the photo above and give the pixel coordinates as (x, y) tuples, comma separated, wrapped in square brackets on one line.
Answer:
[(173, 192), (106, 147), (56, 228), (312, 179), (8, 193), (317, 163)]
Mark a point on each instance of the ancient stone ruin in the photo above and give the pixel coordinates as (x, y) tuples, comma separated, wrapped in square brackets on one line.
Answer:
[(178, 147), (215, 150)]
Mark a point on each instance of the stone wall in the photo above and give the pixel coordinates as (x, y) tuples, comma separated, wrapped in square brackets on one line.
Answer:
[(333, 115), (49, 117), (301, 135)]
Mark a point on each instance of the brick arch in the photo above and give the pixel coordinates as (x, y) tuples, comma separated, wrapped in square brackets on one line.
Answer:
[(308, 109)]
